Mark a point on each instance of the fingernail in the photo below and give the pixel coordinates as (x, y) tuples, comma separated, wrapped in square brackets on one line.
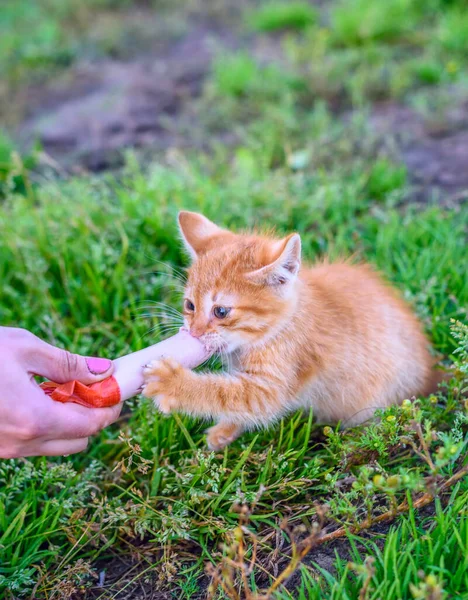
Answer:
[(98, 365)]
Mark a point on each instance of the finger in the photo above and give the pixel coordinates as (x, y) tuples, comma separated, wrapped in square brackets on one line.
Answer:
[(49, 419), (58, 447), (72, 420), (62, 366)]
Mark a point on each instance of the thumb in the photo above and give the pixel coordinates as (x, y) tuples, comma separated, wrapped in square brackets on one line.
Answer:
[(62, 366)]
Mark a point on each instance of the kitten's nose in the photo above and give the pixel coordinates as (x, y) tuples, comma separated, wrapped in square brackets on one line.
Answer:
[(196, 332)]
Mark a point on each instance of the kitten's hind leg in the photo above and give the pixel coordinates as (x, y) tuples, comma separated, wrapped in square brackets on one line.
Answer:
[(222, 434)]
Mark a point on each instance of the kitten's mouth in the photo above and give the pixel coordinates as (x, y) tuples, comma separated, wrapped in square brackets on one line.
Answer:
[(212, 341)]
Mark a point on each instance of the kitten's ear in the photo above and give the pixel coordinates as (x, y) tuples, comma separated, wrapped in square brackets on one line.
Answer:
[(196, 230), (286, 261)]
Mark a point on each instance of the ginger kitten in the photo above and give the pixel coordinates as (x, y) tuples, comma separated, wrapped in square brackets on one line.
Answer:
[(334, 337)]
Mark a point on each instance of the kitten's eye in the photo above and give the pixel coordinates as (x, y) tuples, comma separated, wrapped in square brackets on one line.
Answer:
[(220, 312), (189, 305)]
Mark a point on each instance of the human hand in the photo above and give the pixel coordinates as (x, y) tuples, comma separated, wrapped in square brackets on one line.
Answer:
[(31, 423)]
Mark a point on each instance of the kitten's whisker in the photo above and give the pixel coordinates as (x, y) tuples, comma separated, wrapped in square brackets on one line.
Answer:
[(177, 276), (162, 330), (164, 323), (166, 332), (165, 264), (178, 287), (159, 310), (208, 362), (172, 286), (174, 269), (168, 323), (147, 333), (160, 315), (175, 273), (167, 328), (161, 305), (171, 276), (228, 359)]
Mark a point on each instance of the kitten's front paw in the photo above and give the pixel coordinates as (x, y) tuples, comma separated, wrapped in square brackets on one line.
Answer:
[(163, 379)]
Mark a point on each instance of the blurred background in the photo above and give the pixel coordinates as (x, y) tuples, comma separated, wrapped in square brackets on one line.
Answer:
[(86, 80)]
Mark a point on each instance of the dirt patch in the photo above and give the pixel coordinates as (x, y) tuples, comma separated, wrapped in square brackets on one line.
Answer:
[(435, 152), (143, 574), (101, 109), (441, 164)]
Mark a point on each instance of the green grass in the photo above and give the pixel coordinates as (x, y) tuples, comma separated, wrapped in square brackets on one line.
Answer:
[(41, 38), (362, 51), (453, 31), (83, 259), (418, 558), (14, 168), (362, 21), (235, 75), (30, 39), (238, 75), (272, 16)]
